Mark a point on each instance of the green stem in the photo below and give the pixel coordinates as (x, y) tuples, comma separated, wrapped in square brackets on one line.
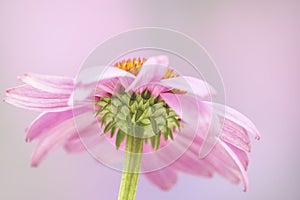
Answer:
[(131, 168)]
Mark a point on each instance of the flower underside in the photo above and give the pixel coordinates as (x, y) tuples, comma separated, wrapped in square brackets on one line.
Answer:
[(141, 115)]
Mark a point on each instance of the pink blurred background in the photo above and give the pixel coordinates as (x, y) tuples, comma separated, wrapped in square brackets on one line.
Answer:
[(256, 46)]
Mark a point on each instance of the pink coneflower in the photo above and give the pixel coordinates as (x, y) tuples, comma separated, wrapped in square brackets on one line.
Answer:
[(141, 105)]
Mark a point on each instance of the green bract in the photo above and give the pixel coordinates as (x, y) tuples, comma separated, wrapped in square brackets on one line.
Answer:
[(139, 115)]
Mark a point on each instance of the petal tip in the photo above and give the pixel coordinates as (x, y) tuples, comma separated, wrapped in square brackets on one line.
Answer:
[(258, 136), (34, 164), (24, 76), (27, 139), (8, 90), (245, 189)]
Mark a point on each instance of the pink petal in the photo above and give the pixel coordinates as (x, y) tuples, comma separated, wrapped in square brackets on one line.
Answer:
[(95, 74), (173, 101), (98, 93), (241, 154), (75, 146), (231, 132), (236, 117), (109, 85), (153, 70), (156, 90), (45, 122), (52, 84), (189, 162), (236, 135), (187, 107), (88, 139), (53, 140), (112, 72), (26, 96), (56, 106), (158, 60), (126, 81), (238, 163), (23, 92), (95, 78), (58, 136), (165, 178), (92, 139), (189, 84), (223, 164), (227, 160)]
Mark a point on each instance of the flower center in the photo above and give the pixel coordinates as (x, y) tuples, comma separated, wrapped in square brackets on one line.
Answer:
[(131, 65), (134, 66), (139, 115)]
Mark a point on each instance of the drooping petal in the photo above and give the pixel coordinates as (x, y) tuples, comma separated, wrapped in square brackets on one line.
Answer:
[(225, 159), (153, 70), (95, 74), (173, 101), (52, 84), (187, 107), (52, 140), (236, 135), (27, 92), (97, 79), (225, 162), (189, 161), (236, 117), (42, 107), (243, 174), (189, 84), (100, 93), (232, 131), (75, 146), (109, 85), (91, 139), (58, 135), (241, 154), (191, 164), (88, 138), (229, 160), (126, 81), (28, 97), (165, 178), (156, 89), (45, 123)]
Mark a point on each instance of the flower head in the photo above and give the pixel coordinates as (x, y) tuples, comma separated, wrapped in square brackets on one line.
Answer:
[(143, 98)]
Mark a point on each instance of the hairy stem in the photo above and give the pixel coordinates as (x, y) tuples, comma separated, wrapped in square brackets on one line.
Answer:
[(131, 168)]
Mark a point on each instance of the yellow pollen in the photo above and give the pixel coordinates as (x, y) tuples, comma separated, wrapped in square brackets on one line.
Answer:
[(134, 66), (170, 74)]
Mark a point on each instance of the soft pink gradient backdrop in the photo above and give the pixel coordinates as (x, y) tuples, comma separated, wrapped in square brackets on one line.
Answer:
[(255, 45)]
